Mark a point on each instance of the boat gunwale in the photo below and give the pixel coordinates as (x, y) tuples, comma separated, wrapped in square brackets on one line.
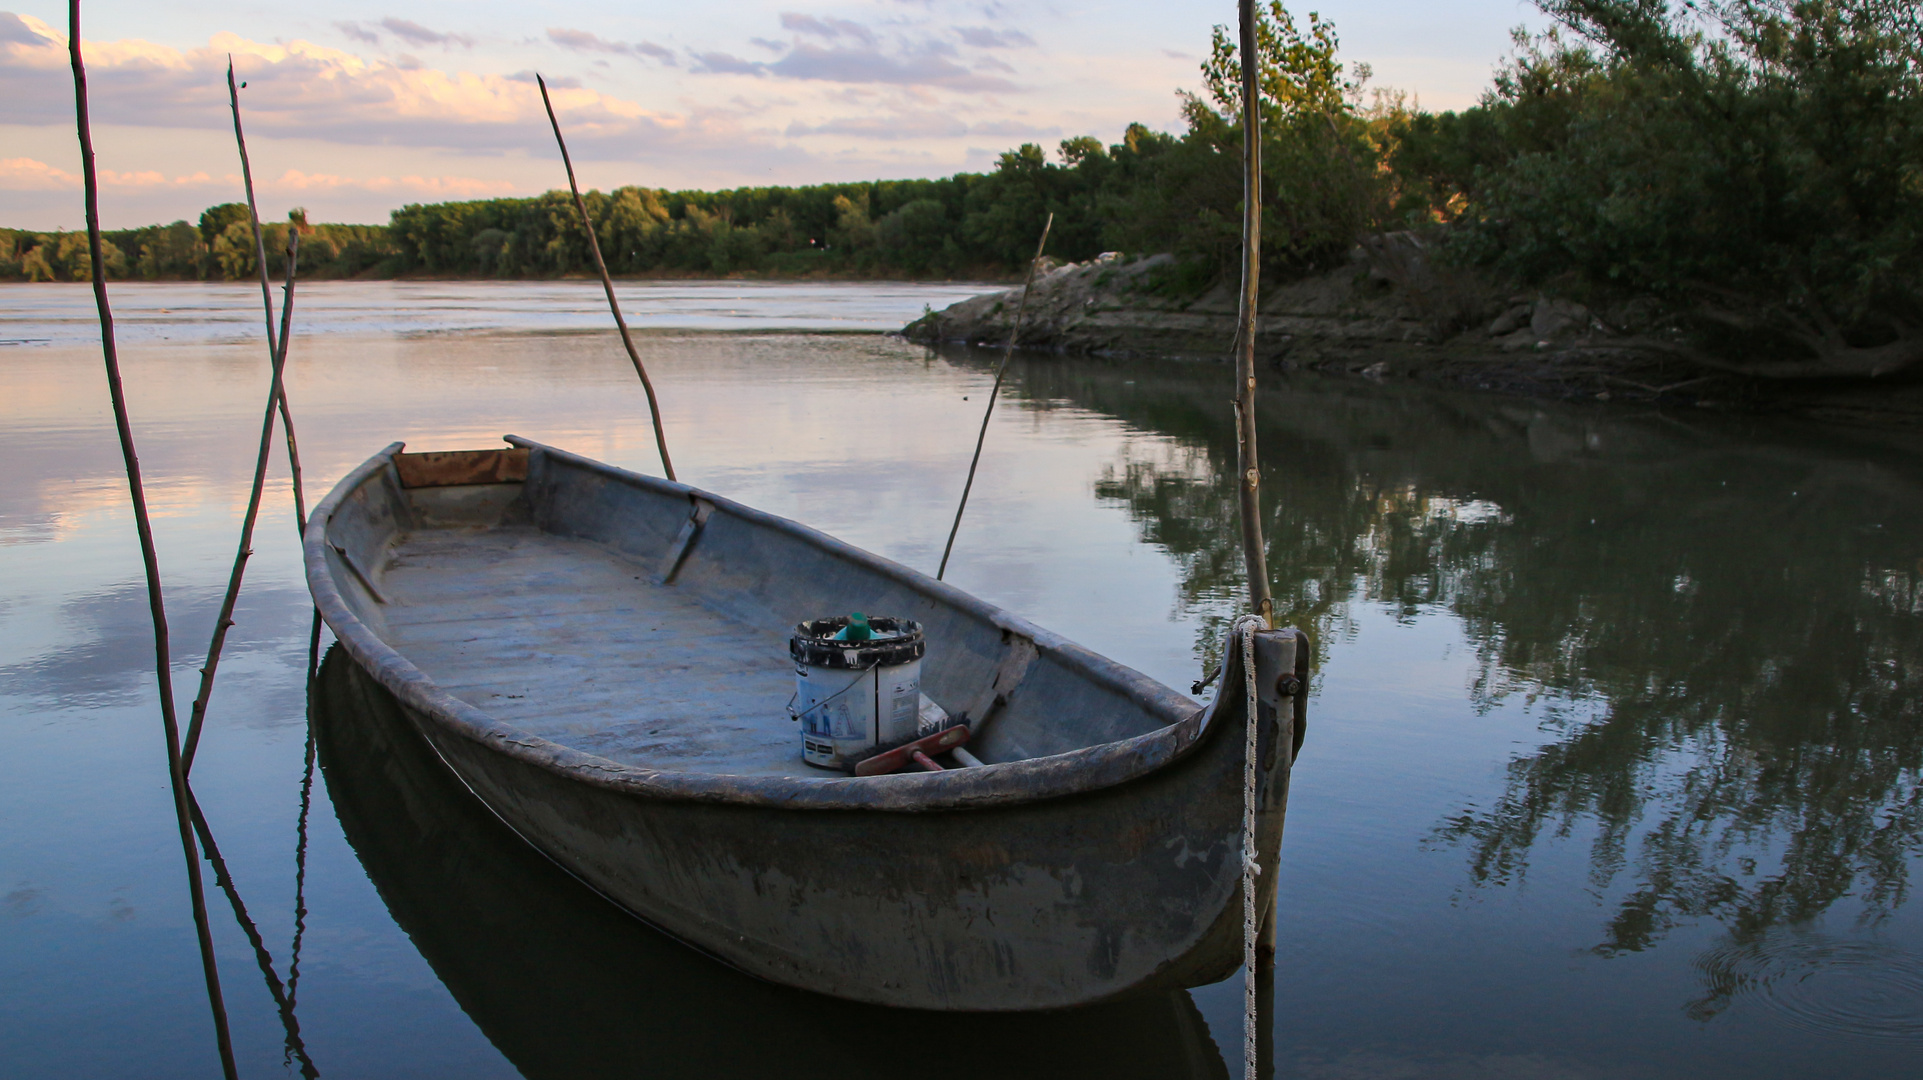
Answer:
[(1073, 772)]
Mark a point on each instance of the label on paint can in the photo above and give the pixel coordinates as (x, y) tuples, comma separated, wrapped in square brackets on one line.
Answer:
[(854, 699)]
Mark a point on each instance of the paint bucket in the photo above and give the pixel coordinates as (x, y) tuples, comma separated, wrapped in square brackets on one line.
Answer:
[(855, 698)]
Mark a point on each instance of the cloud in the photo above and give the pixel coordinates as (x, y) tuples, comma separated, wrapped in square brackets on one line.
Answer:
[(659, 52), (809, 61), (408, 31), (981, 37), (301, 90), (888, 127), (827, 28), (415, 34), (14, 29), (357, 32), (828, 49), (458, 187), (720, 63), (28, 174), (583, 41), (1014, 129), (534, 78)]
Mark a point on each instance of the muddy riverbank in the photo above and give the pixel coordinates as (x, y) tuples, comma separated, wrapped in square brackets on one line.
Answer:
[(1386, 314)]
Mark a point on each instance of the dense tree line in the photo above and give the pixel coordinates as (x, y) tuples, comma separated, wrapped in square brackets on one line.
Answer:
[(220, 247), (1752, 164)]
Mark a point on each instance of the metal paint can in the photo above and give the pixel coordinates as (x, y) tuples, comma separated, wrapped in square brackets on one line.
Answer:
[(855, 698)]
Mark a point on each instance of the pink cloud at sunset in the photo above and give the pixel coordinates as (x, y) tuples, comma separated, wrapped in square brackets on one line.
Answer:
[(359, 108)]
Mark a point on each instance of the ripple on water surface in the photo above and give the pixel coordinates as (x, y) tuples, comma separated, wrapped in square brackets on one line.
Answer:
[(62, 313), (1829, 985)]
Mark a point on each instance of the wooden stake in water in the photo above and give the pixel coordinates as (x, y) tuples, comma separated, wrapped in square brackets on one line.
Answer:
[(607, 283), (1014, 334), (277, 357), (1255, 558), (163, 660)]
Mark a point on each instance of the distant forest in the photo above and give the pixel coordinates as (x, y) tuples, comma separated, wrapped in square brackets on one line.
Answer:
[(1757, 162), (969, 224)]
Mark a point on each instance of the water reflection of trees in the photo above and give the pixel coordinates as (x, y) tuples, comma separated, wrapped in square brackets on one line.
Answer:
[(1723, 627)]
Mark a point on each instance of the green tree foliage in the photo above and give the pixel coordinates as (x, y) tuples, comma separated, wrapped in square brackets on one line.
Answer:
[(971, 224), (215, 220), (181, 252), (1758, 165), (1324, 185)]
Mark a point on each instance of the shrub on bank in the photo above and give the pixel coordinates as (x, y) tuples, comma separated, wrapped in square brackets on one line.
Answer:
[(1759, 170)]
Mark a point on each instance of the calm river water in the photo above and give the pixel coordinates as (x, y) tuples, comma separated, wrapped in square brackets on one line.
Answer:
[(1614, 765)]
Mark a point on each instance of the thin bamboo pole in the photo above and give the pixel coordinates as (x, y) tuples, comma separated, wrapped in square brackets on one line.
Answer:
[(607, 283), (1254, 557), (287, 417), (1014, 334), (275, 400), (245, 550), (150, 559), (276, 348)]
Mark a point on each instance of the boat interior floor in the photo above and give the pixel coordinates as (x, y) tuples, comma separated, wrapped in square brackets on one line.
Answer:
[(569, 641)]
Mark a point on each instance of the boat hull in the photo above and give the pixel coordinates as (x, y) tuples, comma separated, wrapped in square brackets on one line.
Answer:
[(566, 985), (1063, 902)]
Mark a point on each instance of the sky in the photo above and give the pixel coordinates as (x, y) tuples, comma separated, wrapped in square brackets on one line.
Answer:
[(354, 108)]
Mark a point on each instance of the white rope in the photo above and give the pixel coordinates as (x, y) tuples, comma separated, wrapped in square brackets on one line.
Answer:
[(1245, 628)]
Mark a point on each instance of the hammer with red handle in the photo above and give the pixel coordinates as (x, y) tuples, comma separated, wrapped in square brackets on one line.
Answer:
[(919, 752)]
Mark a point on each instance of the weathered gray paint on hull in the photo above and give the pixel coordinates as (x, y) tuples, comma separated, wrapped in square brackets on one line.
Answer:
[(568, 987), (1105, 863)]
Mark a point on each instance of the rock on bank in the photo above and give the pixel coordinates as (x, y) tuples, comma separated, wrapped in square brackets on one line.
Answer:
[(1389, 312)]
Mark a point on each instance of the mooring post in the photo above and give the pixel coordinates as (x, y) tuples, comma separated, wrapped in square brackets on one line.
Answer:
[(1254, 557), (1248, 481)]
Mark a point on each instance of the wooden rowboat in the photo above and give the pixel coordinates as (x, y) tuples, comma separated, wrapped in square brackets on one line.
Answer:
[(601, 658)]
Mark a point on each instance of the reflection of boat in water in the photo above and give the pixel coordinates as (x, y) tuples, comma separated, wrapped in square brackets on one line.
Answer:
[(601, 657), (566, 985)]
